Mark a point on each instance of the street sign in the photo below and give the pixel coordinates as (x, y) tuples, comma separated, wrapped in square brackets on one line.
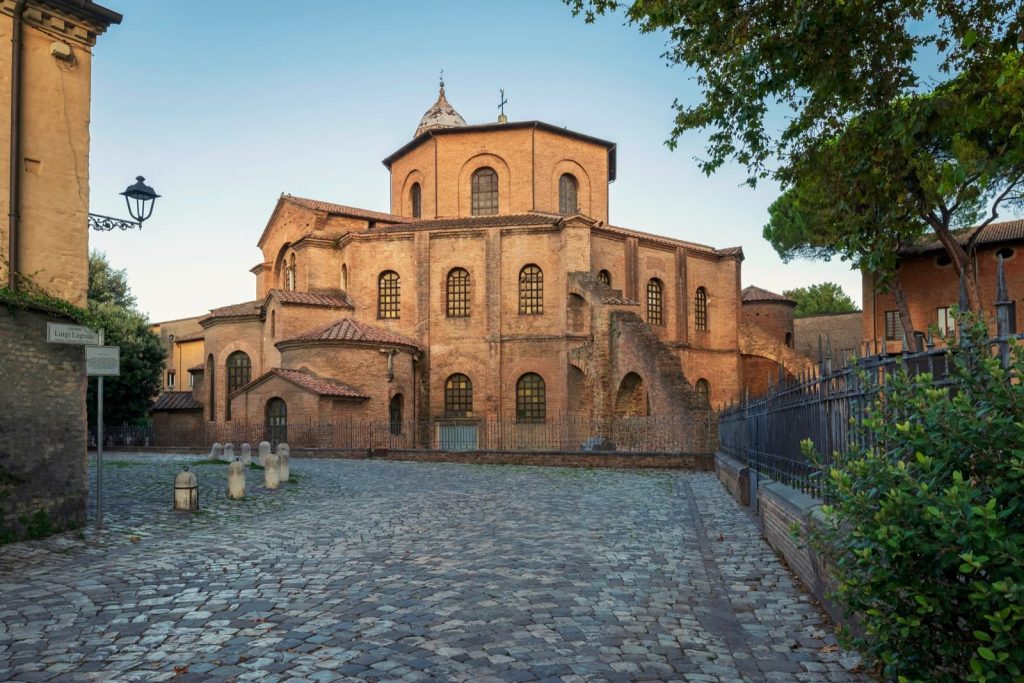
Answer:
[(102, 361), (60, 333)]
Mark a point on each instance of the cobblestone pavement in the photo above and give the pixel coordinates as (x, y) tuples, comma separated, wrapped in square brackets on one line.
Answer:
[(385, 571)]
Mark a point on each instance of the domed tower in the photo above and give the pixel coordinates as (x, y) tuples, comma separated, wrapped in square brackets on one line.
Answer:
[(440, 115)]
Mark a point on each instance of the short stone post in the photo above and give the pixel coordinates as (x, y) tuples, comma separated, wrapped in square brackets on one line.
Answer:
[(186, 491), (246, 455), (229, 452), (283, 455), (236, 480), (271, 478), (216, 451), (264, 452)]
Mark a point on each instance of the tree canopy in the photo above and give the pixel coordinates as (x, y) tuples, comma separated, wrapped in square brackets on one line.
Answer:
[(822, 298), (127, 398)]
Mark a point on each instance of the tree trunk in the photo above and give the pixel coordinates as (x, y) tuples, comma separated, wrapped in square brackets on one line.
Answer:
[(962, 261)]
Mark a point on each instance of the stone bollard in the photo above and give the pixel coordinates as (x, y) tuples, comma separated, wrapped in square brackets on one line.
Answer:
[(186, 491), (216, 451), (229, 452), (236, 480), (264, 452), (246, 455), (283, 455), (271, 478)]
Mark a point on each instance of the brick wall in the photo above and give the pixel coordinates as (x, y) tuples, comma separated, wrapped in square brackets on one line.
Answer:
[(843, 330), (686, 461), (42, 427)]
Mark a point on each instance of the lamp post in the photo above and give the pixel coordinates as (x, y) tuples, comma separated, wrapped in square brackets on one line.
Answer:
[(139, 197)]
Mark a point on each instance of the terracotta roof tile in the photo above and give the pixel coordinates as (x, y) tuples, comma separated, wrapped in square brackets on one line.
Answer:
[(343, 210), (177, 400), (731, 251), (757, 294), (234, 311), (195, 336), (348, 329), (499, 221), (307, 381), (1003, 231), (311, 298)]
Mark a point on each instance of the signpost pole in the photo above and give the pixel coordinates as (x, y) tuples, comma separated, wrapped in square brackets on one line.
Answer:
[(99, 447)]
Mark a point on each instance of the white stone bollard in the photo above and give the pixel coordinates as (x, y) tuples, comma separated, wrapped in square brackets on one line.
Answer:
[(264, 452), (229, 452), (236, 480), (283, 456), (186, 491), (246, 455), (216, 451), (271, 478)]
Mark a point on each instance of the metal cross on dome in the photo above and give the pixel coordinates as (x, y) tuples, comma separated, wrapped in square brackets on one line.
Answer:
[(501, 105)]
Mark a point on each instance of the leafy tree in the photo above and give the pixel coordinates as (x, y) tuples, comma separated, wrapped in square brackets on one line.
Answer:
[(827, 297), (127, 398), (925, 529), (107, 285)]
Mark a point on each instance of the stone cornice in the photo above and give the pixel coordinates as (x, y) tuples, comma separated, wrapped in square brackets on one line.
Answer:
[(66, 21)]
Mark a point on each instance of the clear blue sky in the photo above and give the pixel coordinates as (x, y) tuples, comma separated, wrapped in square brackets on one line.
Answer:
[(224, 105)]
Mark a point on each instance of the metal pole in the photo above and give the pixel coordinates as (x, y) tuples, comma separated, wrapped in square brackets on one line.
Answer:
[(99, 447)]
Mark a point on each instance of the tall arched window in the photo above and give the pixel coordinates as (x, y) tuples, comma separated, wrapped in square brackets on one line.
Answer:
[(605, 278), (395, 414), (415, 198), (457, 293), (654, 303), (567, 192), (211, 369), (388, 295), (700, 310), (277, 421), (239, 371), (531, 290), (703, 390), (484, 189), (290, 274), (458, 396), (531, 399)]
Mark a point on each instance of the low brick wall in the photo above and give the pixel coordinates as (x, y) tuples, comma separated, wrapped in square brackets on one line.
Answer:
[(735, 476), (42, 428), (685, 461)]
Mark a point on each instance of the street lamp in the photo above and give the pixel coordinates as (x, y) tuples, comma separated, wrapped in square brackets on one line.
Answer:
[(140, 199)]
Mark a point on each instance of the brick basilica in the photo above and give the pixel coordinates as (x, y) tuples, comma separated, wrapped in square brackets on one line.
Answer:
[(496, 289)]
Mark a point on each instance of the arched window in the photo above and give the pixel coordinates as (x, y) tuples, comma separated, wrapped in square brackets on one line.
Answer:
[(567, 191), (239, 370), (273, 324), (654, 307), (344, 277), (277, 421), (531, 290), (388, 295), (415, 198), (703, 390), (457, 293), (789, 339), (211, 369), (458, 396), (605, 278), (484, 188), (700, 310), (290, 274), (395, 414), (530, 398)]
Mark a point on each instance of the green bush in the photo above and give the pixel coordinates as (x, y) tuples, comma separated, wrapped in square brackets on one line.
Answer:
[(926, 531)]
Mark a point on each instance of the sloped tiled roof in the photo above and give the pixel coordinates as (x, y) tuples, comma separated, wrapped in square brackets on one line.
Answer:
[(307, 381), (197, 368), (311, 298), (753, 293), (234, 311), (731, 251), (342, 210), (994, 233), (499, 221), (351, 330), (195, 336), (177, 400)]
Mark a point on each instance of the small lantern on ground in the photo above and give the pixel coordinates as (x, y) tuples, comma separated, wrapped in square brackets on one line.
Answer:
[(186, 491)]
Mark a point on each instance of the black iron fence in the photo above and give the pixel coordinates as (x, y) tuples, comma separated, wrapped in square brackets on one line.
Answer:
[(696, 433), (827, 407)]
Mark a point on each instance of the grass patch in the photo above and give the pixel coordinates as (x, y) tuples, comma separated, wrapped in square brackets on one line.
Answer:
[(254, 466), (211, 461), (119, 464), (293, 479)]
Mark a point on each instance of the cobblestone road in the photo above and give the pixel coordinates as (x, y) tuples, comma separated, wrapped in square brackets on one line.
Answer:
[(381, 571)]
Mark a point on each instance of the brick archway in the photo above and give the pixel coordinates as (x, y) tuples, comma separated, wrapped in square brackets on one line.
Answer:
[(631, 399)]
